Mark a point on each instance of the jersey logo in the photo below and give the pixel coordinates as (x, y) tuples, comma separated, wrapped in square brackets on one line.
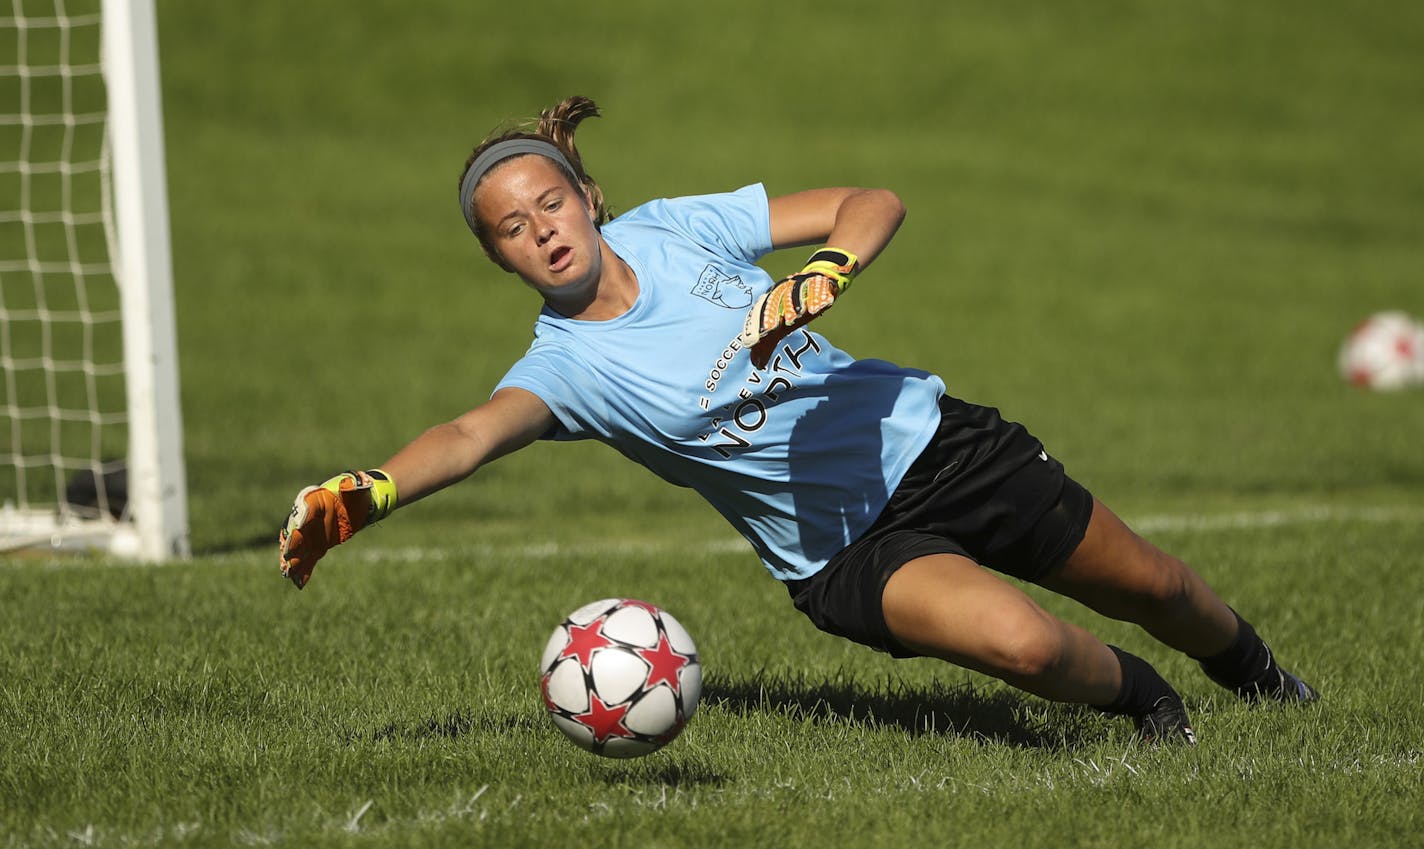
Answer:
[(722, 290)]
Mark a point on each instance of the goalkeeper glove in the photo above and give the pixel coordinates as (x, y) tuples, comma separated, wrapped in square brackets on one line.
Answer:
[(330, 514), (796, 300)]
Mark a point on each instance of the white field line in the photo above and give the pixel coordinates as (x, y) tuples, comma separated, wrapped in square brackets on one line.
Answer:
[(1147, 524), (553, 550), (1256, 519), (365, 550)]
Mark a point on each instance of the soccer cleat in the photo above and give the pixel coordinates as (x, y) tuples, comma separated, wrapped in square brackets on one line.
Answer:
[(1166, 723), (1270, 684), (1295, 690), (1274, 684), (1279, 686)]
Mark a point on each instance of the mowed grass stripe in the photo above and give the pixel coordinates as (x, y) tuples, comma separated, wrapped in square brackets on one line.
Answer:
[(1147, 524)]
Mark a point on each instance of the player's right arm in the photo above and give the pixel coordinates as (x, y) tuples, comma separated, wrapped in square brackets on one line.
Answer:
[(331, 513), (450, 452)]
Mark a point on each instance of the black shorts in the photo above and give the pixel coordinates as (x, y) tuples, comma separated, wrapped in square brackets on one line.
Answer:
[(985, 489)]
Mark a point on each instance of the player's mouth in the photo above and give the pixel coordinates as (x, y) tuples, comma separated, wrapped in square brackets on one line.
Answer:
[(560, 258)]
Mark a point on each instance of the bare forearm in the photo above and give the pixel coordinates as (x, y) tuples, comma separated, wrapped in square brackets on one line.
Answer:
[(443, 455), (865, 222), (450, 452), (861, 221)]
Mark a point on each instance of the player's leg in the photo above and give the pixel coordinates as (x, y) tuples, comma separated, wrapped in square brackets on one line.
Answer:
[(947, 606), (1121, 575)]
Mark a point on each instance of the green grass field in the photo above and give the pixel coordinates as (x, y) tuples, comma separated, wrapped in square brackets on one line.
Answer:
[(1141, 228)]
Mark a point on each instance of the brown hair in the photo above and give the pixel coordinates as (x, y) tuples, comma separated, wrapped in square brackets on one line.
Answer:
[(555, 125)]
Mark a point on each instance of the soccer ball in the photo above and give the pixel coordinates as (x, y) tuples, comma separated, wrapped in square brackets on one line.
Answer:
[(620, 677), (1384, 352)]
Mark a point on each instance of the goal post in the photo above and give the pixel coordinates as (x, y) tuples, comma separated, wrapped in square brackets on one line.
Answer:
[(157, 484), (93, 456)]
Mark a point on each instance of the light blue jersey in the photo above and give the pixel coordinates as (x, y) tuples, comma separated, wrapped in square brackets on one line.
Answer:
[(800, 457)]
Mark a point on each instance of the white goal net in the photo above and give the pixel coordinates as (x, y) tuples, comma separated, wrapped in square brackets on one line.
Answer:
[(90, 443)]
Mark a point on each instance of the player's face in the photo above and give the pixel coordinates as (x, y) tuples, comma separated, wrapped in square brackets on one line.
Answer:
[(542, 227)]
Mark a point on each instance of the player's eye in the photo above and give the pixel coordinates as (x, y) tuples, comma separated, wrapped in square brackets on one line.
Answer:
[(554, 205)]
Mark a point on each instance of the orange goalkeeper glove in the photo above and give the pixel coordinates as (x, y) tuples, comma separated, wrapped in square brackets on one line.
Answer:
[(330, 514), (796, 300)]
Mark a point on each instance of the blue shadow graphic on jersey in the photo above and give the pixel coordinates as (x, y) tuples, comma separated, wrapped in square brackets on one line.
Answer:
[(837, 439), (723, 290)]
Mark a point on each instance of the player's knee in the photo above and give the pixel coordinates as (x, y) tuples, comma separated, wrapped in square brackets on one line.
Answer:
[(1169, 586), (1029, 647)]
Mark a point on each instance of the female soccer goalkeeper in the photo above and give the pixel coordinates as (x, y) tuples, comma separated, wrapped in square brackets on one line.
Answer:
[(879, 501)]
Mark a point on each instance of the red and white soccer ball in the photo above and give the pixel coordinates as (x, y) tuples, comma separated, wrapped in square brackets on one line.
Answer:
[(620, 677), (1384, 352)]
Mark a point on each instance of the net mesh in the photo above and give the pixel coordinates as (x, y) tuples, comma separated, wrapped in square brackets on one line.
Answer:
[(64, 434)]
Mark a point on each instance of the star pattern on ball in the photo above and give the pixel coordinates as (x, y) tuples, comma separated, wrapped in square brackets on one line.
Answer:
[(604, 720), (667, 663), (549, 702), (650, 609), (584, 640)]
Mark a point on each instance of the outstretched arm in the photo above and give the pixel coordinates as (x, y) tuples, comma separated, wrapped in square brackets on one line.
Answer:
[(450, 452), (854, 224), (331, 513)]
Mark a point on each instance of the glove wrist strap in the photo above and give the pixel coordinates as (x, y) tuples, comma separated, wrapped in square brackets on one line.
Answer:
[(842, 264), (383, 495), (837, 257)]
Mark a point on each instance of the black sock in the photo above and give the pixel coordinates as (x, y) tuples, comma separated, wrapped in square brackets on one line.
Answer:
[(1246, 666), (1142, 687)]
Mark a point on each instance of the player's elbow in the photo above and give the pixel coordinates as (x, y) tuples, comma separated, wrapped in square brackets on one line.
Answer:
[(889, 203)]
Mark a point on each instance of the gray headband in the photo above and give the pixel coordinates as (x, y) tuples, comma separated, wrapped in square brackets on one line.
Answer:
[(497, 153)]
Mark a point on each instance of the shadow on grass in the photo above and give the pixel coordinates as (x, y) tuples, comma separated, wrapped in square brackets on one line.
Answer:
[(1000, 716), (658, 772), (625, 772)]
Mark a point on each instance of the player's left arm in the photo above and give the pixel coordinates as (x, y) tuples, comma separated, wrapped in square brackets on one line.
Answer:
[(857, 221), (855, 225)]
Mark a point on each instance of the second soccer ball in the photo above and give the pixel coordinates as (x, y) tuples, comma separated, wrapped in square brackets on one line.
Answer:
[(1384, 352)]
